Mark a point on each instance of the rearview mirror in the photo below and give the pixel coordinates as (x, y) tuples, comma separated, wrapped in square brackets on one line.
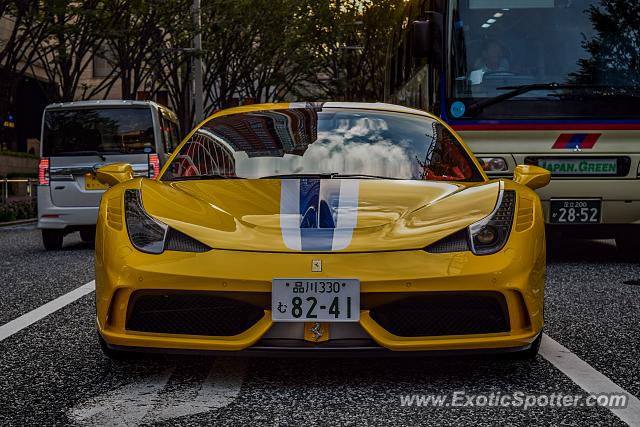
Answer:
[(531, 176), (114, 173), (426, 38)]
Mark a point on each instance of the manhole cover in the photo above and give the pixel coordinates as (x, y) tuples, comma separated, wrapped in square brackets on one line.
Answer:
[(632, 282)]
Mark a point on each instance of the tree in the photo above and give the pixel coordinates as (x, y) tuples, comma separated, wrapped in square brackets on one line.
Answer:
[(135, 31), (16, 54), (72, 36), (352, 41), (615, 48)]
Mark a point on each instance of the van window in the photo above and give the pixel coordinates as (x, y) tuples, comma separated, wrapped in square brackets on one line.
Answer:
[(170, 138), (104, 130)]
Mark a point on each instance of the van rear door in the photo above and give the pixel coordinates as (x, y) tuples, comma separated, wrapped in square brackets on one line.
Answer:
[(77, 141)]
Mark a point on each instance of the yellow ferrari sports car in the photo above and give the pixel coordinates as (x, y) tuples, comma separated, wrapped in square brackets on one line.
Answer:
[(319, 228)]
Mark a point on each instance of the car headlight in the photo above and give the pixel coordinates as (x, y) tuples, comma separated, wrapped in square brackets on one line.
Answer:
[(486, 236), (490, 234), (493, 164), (149, 235)]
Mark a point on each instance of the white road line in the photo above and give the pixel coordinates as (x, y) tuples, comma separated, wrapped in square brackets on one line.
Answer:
[(124, 406), (18, 324), (220, 388), (590, 380), (153, 399)]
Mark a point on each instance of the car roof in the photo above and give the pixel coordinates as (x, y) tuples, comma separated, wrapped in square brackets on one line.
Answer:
[(378, 106), (102, 103)]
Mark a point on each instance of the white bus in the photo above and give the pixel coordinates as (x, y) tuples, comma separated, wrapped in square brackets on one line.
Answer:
[(552, 83)]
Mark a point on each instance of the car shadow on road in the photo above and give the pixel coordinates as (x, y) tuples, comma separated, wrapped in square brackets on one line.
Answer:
[(564, 249)]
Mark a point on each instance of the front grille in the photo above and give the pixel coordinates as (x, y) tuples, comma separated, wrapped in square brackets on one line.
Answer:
[(456, 242), (191, 314), (447, 313)]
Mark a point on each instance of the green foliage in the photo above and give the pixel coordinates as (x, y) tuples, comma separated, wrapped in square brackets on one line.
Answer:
[(264, 50), (14, 211), (19, 154), (615, 48)]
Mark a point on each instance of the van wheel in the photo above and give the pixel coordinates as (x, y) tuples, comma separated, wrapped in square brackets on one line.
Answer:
[(52, 239), (88, 236)]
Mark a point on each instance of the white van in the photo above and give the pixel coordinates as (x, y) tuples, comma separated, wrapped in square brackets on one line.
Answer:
[(79, 137)]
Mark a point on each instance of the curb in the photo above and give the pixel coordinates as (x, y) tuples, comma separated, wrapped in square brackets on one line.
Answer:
[(18, 222)]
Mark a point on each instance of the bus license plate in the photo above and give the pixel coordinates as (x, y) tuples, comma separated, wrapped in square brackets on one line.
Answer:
[(326, 300), (586, 211)]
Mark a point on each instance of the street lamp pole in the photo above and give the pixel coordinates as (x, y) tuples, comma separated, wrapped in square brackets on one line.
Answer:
[(197, 65)]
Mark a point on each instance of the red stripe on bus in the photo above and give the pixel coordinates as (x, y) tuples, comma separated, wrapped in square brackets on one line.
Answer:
[(562, 141), (590, 140)]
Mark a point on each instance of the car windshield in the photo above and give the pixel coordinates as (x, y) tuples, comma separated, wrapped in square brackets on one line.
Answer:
[(91, 131), (330, 142), (575, 57)]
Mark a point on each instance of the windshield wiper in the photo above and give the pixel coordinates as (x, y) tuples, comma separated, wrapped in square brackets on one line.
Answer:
[(86, 153), (514, 91), (300, 176), (197, 177), (360, 175), (333, 175)]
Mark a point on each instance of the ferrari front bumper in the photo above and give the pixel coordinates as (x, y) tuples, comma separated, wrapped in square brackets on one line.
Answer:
[(516, 274)]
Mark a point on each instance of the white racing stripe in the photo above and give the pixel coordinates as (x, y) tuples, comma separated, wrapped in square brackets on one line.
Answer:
[(590, 380), (18, 324)]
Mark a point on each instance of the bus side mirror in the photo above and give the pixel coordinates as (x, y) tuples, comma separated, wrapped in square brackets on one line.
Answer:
[(531, 176), (426, 38), (114, 173)]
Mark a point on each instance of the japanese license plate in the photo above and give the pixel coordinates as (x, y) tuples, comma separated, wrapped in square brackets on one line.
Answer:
[(574, 211), (91, 183), (318, 300)]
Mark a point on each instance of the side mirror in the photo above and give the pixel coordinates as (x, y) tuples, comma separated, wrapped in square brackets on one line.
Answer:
[(531, 176), (426, 38), (114, 173)]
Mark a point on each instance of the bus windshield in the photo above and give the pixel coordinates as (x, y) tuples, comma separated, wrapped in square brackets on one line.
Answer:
[(559, 58)]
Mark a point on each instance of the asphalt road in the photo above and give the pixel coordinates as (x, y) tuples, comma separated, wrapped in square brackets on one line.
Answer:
[(53, 372)]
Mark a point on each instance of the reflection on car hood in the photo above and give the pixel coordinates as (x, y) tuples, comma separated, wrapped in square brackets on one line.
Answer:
[(292, 215)]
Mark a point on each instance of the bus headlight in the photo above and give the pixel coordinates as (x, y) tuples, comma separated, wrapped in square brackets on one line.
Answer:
[(494, 164)]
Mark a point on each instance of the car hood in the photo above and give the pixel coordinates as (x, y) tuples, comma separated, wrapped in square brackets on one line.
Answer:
[(291, 215)]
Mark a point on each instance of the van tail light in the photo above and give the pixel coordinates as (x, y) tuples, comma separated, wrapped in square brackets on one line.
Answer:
[(43, 172), (154, 166)]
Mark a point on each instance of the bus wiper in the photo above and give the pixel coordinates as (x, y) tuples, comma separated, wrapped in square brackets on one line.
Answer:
[(514, 91)]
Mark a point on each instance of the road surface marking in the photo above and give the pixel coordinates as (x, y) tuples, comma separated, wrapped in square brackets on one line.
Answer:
[(590, 380), (125, 406), (145, 402), (220, 388), (18, 324)]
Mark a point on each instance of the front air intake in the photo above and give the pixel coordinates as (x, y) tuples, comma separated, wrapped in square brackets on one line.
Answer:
[(191, 314), (444, 313)]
